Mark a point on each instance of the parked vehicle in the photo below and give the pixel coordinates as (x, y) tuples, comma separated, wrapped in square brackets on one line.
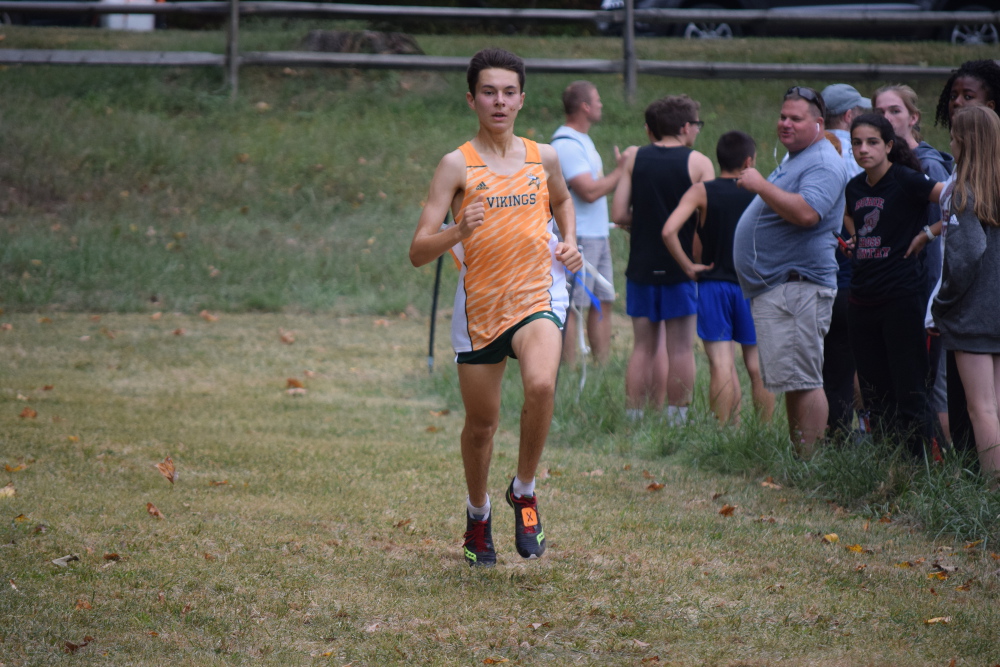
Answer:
[(986, 33)]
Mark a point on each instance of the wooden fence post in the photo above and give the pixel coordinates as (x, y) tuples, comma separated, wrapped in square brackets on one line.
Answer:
[(233, 49), (628, 44)]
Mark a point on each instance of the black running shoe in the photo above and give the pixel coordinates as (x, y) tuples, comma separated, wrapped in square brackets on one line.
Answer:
[(478, 547), (529, 538)]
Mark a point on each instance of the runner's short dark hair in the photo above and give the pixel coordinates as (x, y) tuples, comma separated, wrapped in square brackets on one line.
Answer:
[(494, 59), (733, 149)]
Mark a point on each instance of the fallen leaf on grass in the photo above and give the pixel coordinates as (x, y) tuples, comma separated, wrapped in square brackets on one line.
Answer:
[(155, 316), (208, 317), (994, 556), (432, 429), (941, 566), (441, 413), (494, 661), (381, 323), (640, 644), (886, 519), (179, 332), (655, 486), (938, 576), (218, 482), (209, 557), (50, 387), (6, 326), (296, 391), (108, 332), (286, 337), (28, 413), (535, 626), (187, 608), (294, 384), (718, 494), (65, 560), (860, 567), (167, 469), (20, 518), (973, 545), (153, 511), (73, 438), (112, 557), (855, 548), (769, 483), (373, 627), (70, 647), (943, 620), (8, 491), (767, 519), (594, 473), (831, 538), (83, 604), (648, 475), (403, 523), (18, 468), (967, 586), (543, 473), (45, 320)]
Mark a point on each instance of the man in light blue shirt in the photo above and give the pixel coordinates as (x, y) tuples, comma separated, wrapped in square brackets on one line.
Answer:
[(583, 170), (784, 257)]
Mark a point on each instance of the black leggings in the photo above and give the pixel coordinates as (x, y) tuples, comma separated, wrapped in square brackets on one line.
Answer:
[(838, 368), (890, 350)]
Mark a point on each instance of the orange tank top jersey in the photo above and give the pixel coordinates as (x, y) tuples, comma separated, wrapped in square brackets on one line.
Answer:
[(507, 266)]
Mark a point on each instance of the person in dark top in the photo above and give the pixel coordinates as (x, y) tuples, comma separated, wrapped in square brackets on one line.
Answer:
[(723, 312), (659, 297), (886, 206), (898, 103)]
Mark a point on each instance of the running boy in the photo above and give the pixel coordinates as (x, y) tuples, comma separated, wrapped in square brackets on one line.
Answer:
[(723, 313), (511, 298)]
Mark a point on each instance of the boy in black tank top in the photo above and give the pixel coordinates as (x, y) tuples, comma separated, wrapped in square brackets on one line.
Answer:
[(659, 298), (723, 313)]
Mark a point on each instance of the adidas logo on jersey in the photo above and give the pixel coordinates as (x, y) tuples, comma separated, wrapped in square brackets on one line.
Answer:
[(482, 186)]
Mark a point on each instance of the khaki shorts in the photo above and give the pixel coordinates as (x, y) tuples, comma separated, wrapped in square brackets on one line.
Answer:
[(791, 321)]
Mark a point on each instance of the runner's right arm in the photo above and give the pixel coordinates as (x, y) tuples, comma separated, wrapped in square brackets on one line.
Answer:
[(446, 192)]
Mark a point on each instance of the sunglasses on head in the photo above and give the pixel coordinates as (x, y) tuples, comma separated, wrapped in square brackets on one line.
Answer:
[(809, 95)]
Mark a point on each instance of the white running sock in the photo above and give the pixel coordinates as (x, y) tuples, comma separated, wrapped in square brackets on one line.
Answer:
[(479, 513), (523, 489), (677, 414)]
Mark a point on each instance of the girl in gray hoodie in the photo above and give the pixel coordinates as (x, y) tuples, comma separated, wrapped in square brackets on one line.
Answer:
[(966, 307)]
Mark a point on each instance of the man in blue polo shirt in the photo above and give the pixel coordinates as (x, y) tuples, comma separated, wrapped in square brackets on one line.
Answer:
[(784, 257)]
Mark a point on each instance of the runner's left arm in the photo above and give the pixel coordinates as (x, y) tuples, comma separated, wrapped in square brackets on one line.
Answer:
[(562, 209)]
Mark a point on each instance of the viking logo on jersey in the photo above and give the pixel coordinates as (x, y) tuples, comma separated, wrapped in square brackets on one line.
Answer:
[(482, 186), (534, 180)]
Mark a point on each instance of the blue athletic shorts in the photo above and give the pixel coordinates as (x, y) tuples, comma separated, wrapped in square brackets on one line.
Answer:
[(723, 313), (661, 302)]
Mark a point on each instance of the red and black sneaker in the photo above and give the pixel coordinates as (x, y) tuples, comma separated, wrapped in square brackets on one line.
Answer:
[(529, 538), (478, 546)]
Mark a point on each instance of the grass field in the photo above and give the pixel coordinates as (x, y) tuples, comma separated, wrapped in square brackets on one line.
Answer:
[(323, 527)]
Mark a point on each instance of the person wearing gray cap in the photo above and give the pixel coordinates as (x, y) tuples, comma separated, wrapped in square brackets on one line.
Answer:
[(843, 104)]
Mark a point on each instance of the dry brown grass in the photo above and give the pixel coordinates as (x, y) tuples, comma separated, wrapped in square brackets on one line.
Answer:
[(324, 528)]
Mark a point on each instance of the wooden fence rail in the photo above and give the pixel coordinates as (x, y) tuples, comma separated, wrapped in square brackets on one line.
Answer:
[(629, 65)]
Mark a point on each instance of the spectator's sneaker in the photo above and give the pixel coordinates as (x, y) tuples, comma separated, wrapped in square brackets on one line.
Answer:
[(478, 547), (529, 538)]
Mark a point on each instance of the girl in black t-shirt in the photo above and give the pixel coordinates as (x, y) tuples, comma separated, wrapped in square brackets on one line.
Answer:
[(886, 206)]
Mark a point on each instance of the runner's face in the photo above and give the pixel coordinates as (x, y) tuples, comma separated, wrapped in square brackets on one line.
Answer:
[(967, 91), (797, 126), (891, 105), (870, 152), (497, 100)]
